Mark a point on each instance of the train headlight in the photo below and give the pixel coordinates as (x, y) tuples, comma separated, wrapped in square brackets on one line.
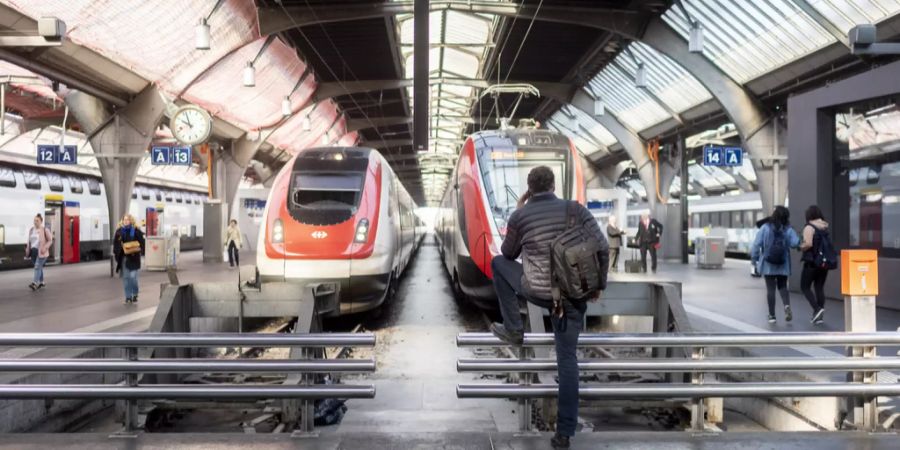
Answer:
[(362, 231), (277, 232)]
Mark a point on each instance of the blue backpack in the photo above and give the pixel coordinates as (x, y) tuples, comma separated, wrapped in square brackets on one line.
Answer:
[(775, 253)]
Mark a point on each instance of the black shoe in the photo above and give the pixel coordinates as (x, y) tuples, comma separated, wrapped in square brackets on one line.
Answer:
[(510, 337), (817, 317), (127, 300), (788, 315), (134, 299), (771, 318), (41, 286), (33, 286), (559, 442)]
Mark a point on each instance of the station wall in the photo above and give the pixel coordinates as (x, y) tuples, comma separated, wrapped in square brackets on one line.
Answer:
[(818, 174)]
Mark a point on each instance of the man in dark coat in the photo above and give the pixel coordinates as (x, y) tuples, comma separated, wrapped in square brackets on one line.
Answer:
[(649, 232)]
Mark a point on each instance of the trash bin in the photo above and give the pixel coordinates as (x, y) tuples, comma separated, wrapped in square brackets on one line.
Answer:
[(710, 251), (155, 255)]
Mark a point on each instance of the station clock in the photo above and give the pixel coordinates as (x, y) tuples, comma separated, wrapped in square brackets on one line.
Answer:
[(191, 125)]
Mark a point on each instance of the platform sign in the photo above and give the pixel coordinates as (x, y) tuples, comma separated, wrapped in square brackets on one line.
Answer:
[(181, 156), (67, 154), (713, 156), (734, 156), (160, 156), (54, 154), (47, 154)]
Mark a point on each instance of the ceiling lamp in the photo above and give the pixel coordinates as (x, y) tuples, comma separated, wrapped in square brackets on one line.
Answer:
[(640, 76), (201, 35), (249, 75), (286, 106), (599, 107), (306, 124), (695, 40)]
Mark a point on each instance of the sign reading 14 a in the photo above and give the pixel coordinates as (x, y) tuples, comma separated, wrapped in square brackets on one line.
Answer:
[(723, 156)]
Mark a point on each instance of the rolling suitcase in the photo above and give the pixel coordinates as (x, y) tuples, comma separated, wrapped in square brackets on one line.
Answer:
[(633, 264)]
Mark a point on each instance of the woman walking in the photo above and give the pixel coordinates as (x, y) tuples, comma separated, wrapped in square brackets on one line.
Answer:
[(128, 247), (233, 243), (815, 241), (38, 250), (771, 255)]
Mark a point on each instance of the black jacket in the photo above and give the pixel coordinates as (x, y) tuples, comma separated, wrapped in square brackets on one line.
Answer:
[(132, 261), (650, 234), (530, 231)]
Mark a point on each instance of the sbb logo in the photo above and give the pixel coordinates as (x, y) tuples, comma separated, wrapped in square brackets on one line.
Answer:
[(319, 234)]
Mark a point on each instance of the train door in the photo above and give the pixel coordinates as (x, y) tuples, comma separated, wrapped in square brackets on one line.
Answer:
[(870, 220), (53, 216), (71, 233), (152, 222)]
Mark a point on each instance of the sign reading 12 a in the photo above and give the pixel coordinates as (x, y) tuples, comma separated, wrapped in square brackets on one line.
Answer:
[(55, 154)]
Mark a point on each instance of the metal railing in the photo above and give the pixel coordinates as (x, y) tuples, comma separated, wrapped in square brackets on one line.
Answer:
[(697, 366), (131, 390)]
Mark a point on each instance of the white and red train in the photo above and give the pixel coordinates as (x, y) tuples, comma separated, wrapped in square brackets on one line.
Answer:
[(489, 177), (339, 215)]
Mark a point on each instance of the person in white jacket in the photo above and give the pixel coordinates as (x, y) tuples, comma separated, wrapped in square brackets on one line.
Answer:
[(233, 243)]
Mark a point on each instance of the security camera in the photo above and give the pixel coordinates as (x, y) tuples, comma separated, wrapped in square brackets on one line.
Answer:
[(51, 28), (862, 35)]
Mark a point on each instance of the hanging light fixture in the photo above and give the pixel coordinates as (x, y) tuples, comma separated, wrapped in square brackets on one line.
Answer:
[(249, 75), (599, 107), (640, 76), (286, 106), (695, 40), (306, 124), (201, 35)]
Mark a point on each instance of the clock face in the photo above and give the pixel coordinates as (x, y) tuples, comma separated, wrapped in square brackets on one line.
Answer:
[(190, 125)]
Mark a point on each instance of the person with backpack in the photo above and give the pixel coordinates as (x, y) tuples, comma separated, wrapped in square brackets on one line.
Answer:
[(819, 257), (647, 238), (770, 253), (128, 246), (38, 250), (546, 231)]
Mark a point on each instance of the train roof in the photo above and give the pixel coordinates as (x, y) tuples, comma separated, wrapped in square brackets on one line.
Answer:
[(521, 137)]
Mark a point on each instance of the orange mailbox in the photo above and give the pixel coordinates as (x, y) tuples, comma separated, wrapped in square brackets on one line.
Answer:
[(859, 272)]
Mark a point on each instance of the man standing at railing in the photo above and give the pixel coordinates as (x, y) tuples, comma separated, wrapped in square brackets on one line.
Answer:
[(565, 258)]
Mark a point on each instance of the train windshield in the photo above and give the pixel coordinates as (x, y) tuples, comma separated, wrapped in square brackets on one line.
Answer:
[(325, 198), (505, 175)]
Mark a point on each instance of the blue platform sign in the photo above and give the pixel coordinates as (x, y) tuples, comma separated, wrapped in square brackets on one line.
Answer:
[(160, 156), (54, 154), (47, 154), (713, 156), (181, 156), (734, 156), (67, 155)]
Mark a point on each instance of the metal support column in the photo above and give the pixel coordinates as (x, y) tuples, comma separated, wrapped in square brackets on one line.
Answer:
[(684, 198), (130, 423), (420, 75), (698, 406), (859, 317)]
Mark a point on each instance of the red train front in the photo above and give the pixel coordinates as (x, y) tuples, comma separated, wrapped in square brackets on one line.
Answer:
[(489, 177), (338, 215)]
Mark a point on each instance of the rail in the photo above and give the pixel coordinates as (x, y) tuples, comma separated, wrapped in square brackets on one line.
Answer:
[(130, 390), (697, 366)]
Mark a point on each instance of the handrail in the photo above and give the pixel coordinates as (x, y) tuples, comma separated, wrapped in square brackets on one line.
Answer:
[(158, 340), (694, 339), (197, 391), (683, 365), (186, 366), (657, 391)]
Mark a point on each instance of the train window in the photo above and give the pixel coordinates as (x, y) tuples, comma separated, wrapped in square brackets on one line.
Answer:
[(7, 177), (725, 219), (158, 195), (179, 198), (93, 186), (76, 185), (193, 231), (2, 238), (168, 196), (695, 220), (736, 221), (55, 182), (759, 216), (32, 179), (748, 219), (145, 193), (134, 192)]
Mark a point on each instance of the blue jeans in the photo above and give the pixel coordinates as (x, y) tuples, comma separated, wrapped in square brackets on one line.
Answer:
[(38, 266), (508, 284), (130, 281)]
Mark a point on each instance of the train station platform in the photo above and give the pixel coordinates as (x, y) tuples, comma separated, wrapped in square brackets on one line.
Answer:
[(83, 298), (461, 440)]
